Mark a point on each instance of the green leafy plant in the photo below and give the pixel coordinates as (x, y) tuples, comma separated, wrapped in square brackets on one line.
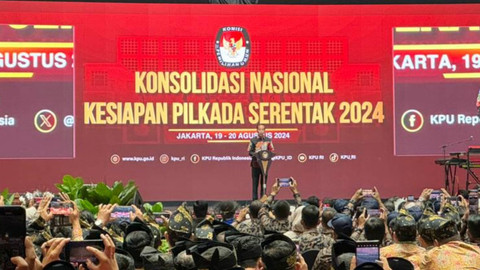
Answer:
[(7, 197), (156, 208), (86, 205), (88, 197), (71, 186)]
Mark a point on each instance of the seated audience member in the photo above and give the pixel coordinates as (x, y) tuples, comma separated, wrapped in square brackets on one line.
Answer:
[(327, 214), (342, 229), (449, 251), (227, 210), (152, 259), (220, 229), (296, 230), (280, 253), (214, 255), (182, 260), (473, 229), (137, 237), (425, 236), (375, 229), (204, 230), (248, 249), (200, 211), (415, 232), (312, 238), (253, 225), (281, 210), (179, 226), (404, 232)]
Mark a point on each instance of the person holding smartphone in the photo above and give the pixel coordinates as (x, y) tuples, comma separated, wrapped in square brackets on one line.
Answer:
[(257, 144), (450, 252), (404, 233), (252, 225), (53, 248), (281, 210)]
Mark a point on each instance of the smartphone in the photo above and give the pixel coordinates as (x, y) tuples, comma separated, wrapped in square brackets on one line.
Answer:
[(122, 212), (367, 193), (76, 252), (61, 212), (435, 195), (284, 182), (373, 212), (367, 251), (158, 217), (410, 198), (61, 208), (13, 229), (473, 201), (453, 200)]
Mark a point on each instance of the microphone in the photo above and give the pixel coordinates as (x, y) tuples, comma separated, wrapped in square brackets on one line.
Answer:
[(457, 142)]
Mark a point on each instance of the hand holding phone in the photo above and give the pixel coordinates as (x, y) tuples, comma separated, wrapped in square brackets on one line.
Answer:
[(76, 251), (367, 193), (61, 212), (373, 213), (106, 258), (453, 200), (12, 235), (52, 249), (284, 182), (435, 195), (367, 251), (122, 212), (104, 213), (161, 217), (61, 208)]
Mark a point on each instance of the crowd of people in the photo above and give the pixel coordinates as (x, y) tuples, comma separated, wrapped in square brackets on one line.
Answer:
[(422, 233)]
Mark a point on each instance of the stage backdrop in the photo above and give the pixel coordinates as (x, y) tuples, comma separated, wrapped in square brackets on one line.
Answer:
[(169, 95)]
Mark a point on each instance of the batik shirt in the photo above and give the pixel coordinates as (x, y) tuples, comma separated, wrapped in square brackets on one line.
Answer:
[(455, 255), (407, 250)]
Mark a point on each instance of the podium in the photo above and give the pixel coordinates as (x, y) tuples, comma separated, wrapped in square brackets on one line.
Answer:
[(264, 160)]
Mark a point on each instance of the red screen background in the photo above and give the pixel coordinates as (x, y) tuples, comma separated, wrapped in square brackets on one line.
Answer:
[(352, 43)]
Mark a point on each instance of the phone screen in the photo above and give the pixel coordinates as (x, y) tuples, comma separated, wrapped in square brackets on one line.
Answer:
[(373, 212), (454, 201), (284, 182), (367, 193), (158, 217), (61, 212), (76, 252), (12, 235), (122, 212), (367, 252), (435, 195), (61, 208), (411, 198)]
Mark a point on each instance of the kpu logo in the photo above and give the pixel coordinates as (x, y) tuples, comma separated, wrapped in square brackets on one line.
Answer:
[(232, 47), (412, 120)]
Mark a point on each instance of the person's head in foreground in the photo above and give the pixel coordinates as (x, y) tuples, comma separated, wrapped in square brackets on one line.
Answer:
[(280, 253)]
